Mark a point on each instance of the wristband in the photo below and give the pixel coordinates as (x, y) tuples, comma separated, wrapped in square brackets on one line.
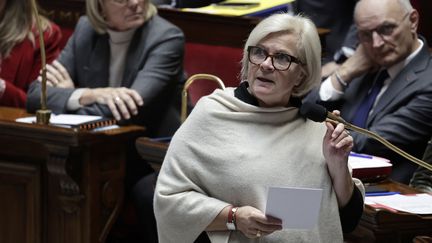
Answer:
[(231, 222), (340, 80), (2, 87)]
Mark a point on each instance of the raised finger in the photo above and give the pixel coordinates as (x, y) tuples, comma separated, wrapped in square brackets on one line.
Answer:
[(338, 130)]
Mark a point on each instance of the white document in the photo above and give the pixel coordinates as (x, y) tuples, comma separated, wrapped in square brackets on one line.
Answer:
[(415, 203), (362, 161), (298, 208), (63, 119)]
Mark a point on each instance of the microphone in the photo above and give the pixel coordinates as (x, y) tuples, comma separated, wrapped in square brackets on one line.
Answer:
[(319, 113), (42, 115)]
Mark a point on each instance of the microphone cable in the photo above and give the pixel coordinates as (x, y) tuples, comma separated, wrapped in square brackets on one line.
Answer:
[(319, 113)]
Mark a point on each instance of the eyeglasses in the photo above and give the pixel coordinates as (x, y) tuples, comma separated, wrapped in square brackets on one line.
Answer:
[(123, 2), (280, 61), (384, 31)]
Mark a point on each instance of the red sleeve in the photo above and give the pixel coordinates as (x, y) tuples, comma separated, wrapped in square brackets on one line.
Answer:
[(13, 96), (23, 65)]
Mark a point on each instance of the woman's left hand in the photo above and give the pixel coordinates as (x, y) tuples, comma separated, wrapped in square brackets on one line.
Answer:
[(337, 144)]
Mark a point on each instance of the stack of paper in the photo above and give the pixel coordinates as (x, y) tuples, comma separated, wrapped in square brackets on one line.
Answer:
[(86, 122), (413, 203), (239, 7), (368, 167)]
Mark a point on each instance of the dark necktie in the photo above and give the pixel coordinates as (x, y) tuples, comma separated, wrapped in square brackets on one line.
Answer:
[(365, 106)]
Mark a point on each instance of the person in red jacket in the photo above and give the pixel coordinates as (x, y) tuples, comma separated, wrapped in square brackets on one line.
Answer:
[(20, 59)]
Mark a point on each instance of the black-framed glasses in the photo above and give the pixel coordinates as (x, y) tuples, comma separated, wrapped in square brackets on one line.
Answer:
[(280, 61), (385, 30)]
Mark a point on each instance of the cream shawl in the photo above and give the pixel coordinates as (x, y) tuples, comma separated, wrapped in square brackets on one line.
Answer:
[(229, 152)]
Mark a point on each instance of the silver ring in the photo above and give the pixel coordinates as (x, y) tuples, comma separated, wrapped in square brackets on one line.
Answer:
[(117, 99), (258, 234)]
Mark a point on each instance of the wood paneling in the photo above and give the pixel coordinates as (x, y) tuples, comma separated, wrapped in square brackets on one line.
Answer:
[(60, 184), (20, 202)]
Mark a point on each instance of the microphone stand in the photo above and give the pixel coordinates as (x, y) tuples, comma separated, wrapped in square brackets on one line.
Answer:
[(335, 120), (42, 115)]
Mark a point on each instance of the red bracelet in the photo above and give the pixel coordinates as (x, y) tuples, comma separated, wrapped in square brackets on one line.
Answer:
[(231, 222), (234, 220), (230, 215)]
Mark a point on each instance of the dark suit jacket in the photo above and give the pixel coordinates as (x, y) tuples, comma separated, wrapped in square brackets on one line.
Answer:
[(154, 68), (403, 115), (422, 178)]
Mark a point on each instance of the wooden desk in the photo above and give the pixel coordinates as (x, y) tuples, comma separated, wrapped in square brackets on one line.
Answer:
[(376, 225), (59, 184), (198, 27), (216, 29), (380, 225), (151, 151)]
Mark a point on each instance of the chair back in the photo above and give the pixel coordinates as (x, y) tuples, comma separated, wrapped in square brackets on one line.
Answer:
[(189, 82)]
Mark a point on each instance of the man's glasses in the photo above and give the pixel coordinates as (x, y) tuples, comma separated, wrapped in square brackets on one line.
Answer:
[(385, 30), (280, 61)]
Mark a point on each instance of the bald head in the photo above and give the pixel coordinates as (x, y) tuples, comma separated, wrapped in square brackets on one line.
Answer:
[(387, 29), (379, 7)]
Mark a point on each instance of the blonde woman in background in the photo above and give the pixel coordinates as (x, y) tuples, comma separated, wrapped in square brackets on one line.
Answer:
[(20, 60)]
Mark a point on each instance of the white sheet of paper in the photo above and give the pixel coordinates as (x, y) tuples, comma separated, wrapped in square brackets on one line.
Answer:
[(63, 119), (298, 208), (416, 203), (361, 161)]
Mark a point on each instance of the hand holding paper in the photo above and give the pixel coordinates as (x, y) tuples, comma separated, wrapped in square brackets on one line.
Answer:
[(298, 208)]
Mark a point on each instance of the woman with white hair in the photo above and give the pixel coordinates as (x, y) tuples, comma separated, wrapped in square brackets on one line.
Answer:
[(238, 142)]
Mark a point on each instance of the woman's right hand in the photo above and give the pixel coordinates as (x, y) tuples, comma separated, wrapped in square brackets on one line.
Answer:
[(358, 64), (57, 76), (123, 102), (253, 223)]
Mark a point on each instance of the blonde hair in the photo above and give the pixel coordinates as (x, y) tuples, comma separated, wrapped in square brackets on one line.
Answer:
[(17, 23), (96, 16), (308, 46)]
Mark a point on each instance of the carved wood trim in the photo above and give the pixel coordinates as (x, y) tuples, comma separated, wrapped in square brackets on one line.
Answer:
[(64, 198)]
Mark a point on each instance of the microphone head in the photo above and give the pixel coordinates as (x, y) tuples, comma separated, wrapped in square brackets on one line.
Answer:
[(315, 112)]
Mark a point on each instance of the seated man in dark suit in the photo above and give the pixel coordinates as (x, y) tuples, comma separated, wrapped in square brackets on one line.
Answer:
[(397, 106), (422, 178)]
